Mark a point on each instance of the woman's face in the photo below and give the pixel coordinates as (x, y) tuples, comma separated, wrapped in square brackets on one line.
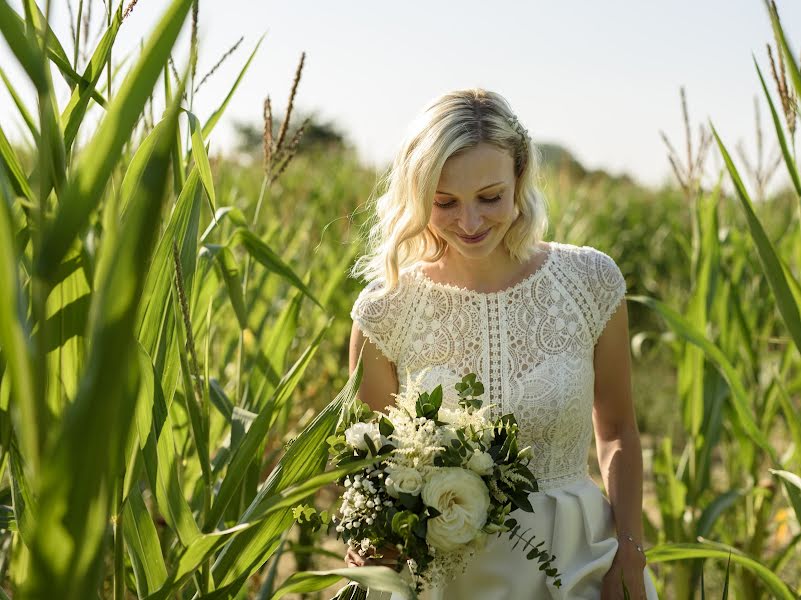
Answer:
[(475, 195)]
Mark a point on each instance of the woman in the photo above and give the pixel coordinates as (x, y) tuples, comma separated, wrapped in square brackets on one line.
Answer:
[(459, 281)]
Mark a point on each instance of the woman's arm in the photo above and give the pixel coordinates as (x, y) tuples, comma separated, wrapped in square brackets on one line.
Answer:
[(617, 438), (379, 379)]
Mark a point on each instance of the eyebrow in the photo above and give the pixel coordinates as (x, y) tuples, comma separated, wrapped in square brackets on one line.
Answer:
[(486, 187)]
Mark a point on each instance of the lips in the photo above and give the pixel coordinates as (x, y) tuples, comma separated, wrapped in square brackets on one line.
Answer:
[(475, 237)]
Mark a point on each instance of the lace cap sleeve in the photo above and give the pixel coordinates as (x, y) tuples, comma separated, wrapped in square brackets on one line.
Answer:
[(380, 318), (609, 288)]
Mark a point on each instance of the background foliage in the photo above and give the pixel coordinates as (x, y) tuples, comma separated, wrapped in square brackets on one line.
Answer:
[(174, 327)]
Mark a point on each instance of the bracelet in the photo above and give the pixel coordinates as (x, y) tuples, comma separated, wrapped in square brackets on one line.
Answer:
[(639, 548)]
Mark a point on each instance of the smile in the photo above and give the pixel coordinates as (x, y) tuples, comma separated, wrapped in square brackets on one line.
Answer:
[(475, 238)]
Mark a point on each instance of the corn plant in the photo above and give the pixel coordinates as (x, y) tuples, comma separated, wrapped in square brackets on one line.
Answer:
[(134, 464), (737, 371)]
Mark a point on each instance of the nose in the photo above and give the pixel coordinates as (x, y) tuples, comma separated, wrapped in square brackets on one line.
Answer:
[(471, 221)]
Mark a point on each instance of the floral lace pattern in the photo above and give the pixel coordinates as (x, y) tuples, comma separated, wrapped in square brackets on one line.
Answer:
[(531, 345)]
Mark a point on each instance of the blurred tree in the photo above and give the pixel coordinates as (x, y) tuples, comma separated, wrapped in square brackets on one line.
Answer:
[(318, 135)]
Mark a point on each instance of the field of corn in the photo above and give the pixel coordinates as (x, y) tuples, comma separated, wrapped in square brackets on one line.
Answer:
[(174, 328)]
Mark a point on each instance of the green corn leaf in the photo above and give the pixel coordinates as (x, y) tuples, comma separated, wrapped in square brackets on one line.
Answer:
[(789, 56), (305, 457), (739, 395), (716, 508), (14, 336), (221, 109), (377, 578), (55, 49), (66, 553), (792, 169), (27, 52), (230, 273), (155, 325), (25, 504), (265, 256), (202, 160), (155, 432), (136, 168), (231, 212), (247, 451), (792, 485), (142, 543), (101, 154), (670, 552), (771, 266), (791, 416), (74, 113), (198, 424), (206, 545), (23, 110)]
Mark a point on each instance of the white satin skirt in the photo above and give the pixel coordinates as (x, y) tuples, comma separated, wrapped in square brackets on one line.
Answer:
[(575, 520)]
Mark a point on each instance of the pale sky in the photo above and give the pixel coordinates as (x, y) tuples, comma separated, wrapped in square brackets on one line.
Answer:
[(601, 78)]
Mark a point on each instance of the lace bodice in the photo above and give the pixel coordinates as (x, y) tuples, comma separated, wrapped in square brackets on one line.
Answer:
[(530, 344)]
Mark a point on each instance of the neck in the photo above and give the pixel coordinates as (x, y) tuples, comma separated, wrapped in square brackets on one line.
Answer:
[(488, 273)]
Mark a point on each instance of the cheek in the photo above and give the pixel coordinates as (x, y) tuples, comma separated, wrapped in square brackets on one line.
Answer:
[(503, 213), (440, 219)]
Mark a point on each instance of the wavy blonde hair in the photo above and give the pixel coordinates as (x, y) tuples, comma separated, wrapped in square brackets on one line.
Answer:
[(399, 235)]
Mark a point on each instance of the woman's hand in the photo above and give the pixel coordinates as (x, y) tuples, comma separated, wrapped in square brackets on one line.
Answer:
[(629, 564), (389, 558)]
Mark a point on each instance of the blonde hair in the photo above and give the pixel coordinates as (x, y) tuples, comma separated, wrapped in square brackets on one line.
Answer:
[(399, 235)]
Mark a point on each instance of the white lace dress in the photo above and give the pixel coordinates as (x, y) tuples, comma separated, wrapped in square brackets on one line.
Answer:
[(532, 347)]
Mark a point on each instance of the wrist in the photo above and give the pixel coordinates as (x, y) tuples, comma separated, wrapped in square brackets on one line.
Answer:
[(631, 546)]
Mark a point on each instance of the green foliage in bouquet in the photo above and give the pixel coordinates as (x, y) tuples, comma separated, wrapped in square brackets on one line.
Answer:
[(428, 459)]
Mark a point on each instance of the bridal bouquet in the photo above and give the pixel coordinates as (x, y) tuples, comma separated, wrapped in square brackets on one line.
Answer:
[(444, 479)]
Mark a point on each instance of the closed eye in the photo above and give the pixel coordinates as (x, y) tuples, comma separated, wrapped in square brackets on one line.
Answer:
[(452, 202)]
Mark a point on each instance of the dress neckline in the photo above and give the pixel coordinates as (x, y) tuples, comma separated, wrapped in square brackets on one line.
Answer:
[(552, 248)]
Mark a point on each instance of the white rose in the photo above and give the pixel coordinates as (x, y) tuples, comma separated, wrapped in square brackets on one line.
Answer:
[(462, 499), (481, 463), (354, 435), (404, 480)]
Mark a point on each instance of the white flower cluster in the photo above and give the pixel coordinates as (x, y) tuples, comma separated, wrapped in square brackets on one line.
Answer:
[(362, 500), (463, 489)]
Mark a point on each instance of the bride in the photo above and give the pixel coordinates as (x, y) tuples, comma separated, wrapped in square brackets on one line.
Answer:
[(459, 280)]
